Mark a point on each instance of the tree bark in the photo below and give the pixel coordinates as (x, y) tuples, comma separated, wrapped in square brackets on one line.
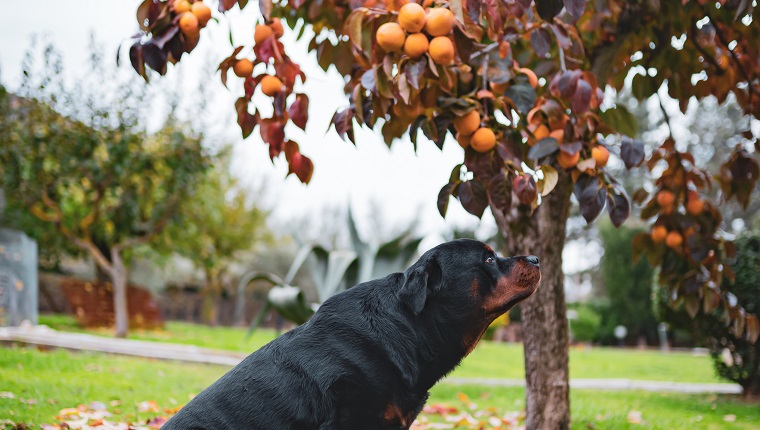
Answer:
[(544, 320), (119, 280)]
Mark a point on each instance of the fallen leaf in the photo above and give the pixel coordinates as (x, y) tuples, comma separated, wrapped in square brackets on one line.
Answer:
[(634, 417), (730, 418)]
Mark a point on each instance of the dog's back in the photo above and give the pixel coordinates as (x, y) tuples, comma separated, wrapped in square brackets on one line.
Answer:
[(322, 374)]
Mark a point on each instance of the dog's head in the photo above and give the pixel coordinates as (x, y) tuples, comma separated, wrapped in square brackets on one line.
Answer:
[(468, 276)]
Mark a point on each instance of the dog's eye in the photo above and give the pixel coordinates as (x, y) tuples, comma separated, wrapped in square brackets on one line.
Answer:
[(489, 260)]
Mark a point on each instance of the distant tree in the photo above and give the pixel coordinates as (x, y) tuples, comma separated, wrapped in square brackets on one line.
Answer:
[(80, 159), (628, 286), (219, 222)]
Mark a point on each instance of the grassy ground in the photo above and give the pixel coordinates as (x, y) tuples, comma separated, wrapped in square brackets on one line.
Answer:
[(35, 385), (496, 360)]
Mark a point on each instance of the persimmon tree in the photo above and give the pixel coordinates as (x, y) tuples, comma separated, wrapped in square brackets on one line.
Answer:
[(520, 85)]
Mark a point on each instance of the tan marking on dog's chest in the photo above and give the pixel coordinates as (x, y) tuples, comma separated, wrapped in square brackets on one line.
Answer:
[(393, 413)]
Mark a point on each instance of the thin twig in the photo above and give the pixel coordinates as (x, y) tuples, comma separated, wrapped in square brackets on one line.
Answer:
[(666, 116)]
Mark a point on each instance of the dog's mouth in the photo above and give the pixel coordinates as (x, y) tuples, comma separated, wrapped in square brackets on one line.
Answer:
[(511, 289)]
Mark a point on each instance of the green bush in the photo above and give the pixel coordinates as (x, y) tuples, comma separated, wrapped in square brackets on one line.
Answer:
[(734, 358), (628, 286), (584, 328)]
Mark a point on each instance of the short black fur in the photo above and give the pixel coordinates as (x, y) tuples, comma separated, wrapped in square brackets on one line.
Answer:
[(369, 355)]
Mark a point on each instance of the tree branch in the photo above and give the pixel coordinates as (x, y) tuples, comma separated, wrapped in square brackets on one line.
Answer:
[(711, 59), (665, 116), (84, 243), (734, 57)]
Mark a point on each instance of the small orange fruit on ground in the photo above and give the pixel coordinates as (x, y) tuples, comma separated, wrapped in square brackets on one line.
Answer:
[(665, 198), (467, 123), (439, 21), (464, 140), (674, 240), (261, 33), (181, 6), (411, 17), (271, 85), (483, 140), (188, 24), (568, 161), (441, 50), (390, 37), (695, 207), (601, 155), (558, 134), (532, 78), (276, 26), (243, 68), (416, 44), (659, 232), (202, 12)]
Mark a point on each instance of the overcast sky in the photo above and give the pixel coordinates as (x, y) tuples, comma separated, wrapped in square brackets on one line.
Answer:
[(403, 184)]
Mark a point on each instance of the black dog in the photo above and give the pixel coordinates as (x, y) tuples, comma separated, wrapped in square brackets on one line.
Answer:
[(368, 357)]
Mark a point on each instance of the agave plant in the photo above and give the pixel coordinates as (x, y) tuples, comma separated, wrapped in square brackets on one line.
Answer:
[(332, 271)]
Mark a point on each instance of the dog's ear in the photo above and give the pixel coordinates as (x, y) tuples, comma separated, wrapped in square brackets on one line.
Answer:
[(422, 280)]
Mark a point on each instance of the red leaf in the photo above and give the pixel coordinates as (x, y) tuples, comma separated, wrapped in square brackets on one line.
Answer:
[(473, 197), (568, 83), (582, 98), (499, 193), (299, 111), (137, 59), (525, 188), (245, 120), (344, 125), (632, 152), (298, 163), (541, 41), (272, 131), (575, 7), (591, 196), (269, 49), (288, 71), (414, 71), (443, 197), (618, 205)]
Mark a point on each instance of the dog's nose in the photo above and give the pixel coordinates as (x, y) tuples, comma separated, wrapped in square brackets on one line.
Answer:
[(532, 260)]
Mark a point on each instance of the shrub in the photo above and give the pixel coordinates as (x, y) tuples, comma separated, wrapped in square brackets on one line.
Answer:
[(628, 286), (734, 358), (585, 327)]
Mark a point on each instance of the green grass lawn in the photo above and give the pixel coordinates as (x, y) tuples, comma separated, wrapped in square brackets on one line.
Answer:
[(496, 360), (35, 385)]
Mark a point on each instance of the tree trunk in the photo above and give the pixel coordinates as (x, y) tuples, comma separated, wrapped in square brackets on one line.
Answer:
[(544, 320), (211, 294), (119, 280)]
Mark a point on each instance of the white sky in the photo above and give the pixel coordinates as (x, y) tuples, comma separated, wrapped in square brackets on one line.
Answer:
[(404, 184)]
